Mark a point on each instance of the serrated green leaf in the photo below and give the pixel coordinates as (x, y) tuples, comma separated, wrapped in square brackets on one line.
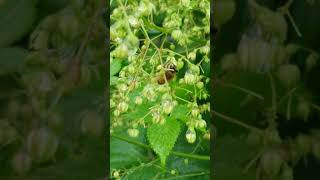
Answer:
[(163, 137), (16, 19), (230, 165), (12, 60), (123, 154), (115, 67), (145, 172)]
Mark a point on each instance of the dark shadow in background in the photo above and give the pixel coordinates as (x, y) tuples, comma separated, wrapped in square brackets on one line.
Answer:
[(226, 41), (54, 104)]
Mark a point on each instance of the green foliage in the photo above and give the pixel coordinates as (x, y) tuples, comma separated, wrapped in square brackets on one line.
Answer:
[(12, 60), (121, 158), (162, 137), (159, 54), (17, 18), (265, 102), (52, 110)]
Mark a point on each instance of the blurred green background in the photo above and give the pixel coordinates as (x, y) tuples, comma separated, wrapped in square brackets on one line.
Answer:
[(236, 87), (53, 93)]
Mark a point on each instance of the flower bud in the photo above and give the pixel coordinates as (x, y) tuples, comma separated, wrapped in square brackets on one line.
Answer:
[(116, 174), (121, 51), (288, 74), (134, 22), (145, 8), (138, 100), (133, 132), (185, 3), (192, 56), (123, 88), (271, 162), (123, 107), (207, 136), (191, 135), (186, 161), (167, 106), (21, 163), (189, 78), (173, 172), (176, 34), (311, 61), (201, 123), (205, 49), (195, 111), (194, 68), (180, 64), (42, 144), (92, 124), (200, 85), (157, 117), (116, 113)]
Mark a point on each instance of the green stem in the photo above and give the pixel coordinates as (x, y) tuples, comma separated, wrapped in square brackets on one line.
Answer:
[(191, 156), (251, 163), (187, 175), (244, 90), (153, 26), (182, 99), (289, 107), (235, 121), (293, 23), (315, 106), (274, 94)]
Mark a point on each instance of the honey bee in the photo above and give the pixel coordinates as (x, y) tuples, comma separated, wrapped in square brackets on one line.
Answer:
[(170, 72)]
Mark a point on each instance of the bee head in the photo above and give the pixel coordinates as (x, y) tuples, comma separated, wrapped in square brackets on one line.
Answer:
[(171, 67)]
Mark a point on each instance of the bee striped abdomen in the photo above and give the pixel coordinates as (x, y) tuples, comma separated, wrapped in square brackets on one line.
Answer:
[(168, 75)]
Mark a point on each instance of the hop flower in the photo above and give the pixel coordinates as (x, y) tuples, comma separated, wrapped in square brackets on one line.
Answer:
[(134, 22), (192, 56), (138, 100), (189, 78), (200, 85), (123, 106), (167, 106), (121, 51), (149, 92), (185, 3), (133, 132), (116, 113), (157, 117), (195, 111), (176, 34), (180, 64), (201, 123), (191, 135)]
